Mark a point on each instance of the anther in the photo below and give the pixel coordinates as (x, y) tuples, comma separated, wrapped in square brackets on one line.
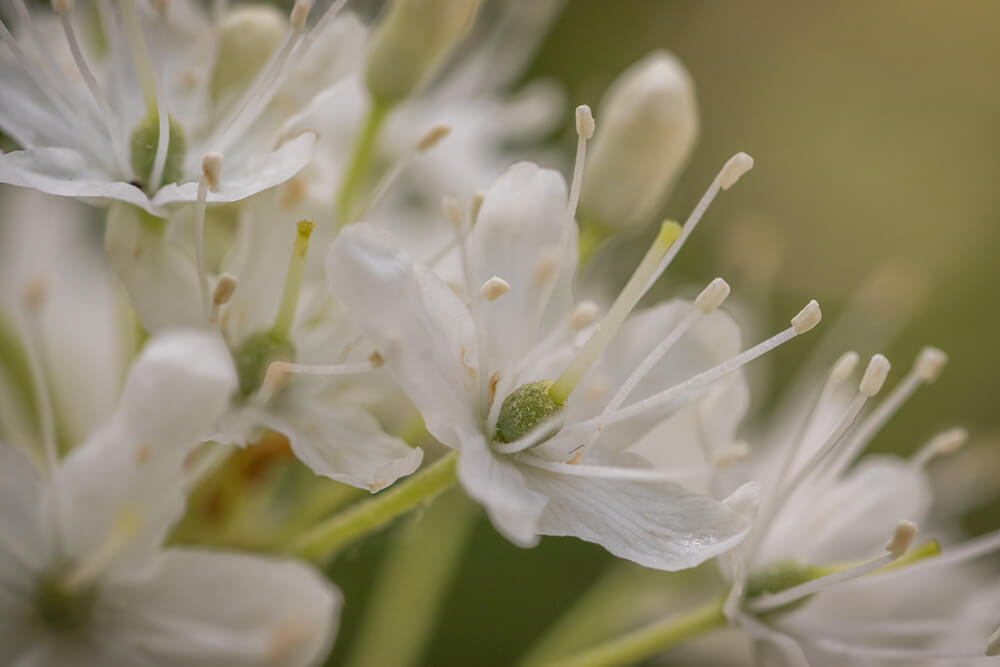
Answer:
[(584, 314), (211, 167), (547, 267), (844, 366), (475, 205), (494, 288), (875, 375), (453, 211), (902, 538), (300, 12), (62, 6), (584, 121), (807, 318), (432, 138), (929, 364), (734, 169), (942, 444), (221, 295), (712, 296), (376, 359)]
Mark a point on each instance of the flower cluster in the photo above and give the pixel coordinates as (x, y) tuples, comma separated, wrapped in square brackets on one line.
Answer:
[(276, 267)]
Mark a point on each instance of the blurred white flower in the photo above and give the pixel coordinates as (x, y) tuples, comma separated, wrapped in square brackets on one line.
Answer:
[(544, 457), (276, 315), (85, 578), (127, 113)]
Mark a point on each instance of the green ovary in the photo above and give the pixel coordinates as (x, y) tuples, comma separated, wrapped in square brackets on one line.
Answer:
[(62, 610), (142, 148), (525, 408), (253, 357)]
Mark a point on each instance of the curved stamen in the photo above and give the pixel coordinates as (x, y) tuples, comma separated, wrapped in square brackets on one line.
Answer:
[(584, 131), (615, 472), (942, 444), (211, 170)]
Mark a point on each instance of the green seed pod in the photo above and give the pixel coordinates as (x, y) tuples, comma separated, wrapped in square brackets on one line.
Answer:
[(253, 357), (411, 42), (525, 408), (142, 147)]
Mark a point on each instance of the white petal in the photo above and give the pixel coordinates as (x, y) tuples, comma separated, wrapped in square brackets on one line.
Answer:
[(203, 609), (65, 172), (518, 236), (342, 442), (161, 279), (243, 178), (497, 484), (658, 525), (424, 333), (176, 390)]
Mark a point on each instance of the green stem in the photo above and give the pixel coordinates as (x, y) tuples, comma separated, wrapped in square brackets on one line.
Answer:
[(404, 606), (651, 640), (364, 150), (367, 516)]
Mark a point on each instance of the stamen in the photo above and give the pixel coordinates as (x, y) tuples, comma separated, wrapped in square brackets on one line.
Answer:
[(278, 371), (282, 326), (584, 131), (221, 295), (617, 473), (494, 288), (211, 171), (926, 369), (35, 295), (731, 172), (584, 314), (944, 443), (901, 539), (431, 139), (623, 305), (806, 319), (126, 526)]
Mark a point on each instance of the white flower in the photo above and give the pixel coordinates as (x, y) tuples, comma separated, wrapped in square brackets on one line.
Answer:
[(279, 318), (480, 372), (799, 580), (91, 115), (85, 578)]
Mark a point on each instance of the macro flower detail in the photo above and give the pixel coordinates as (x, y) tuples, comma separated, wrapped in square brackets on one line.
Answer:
[(126, 115), (85, 576), (481, 374)]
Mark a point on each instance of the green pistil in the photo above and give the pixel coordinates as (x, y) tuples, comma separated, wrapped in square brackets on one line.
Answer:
[(525, 408), (62, 610), (253, 357), (142, 148)]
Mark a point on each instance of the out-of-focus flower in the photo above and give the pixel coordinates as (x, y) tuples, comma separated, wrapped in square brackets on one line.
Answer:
[(648, 128), (275, 316), (127, 113), (537, 453), (85, 578)]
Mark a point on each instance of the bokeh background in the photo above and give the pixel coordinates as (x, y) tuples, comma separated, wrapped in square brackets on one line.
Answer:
[(874, 130)]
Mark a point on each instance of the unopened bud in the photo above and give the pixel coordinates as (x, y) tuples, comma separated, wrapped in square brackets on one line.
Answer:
[(248, 36), (411, 42), (649, 124)]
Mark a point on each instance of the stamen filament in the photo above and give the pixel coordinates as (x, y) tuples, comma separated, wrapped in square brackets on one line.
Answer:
[(617, 473), (282, 326), (612, 321), (211, 165), (540, 433), (124, 529), (274, 377), (584, 131)]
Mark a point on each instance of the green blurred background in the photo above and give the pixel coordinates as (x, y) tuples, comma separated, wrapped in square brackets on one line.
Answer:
[(873, 127)]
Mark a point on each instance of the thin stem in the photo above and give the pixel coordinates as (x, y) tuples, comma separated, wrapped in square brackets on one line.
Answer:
[(364, 150), (365, 517), (651, 640)]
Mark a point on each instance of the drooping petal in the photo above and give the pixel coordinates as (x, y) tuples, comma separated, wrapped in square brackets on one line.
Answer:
[(343, 443), (519, 236), (496, 483), (424, 333), (659, 525), (244, 176), (203, 609), (177, 389)]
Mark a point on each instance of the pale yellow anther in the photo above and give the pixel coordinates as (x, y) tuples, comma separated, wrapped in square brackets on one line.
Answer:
[(930, 363), (224, 289), (712, 296), (902, 538), (584, 121), (844, 366), (875, 375), (494, 288), (211, 167), (62, 6), (300, 12), (807, 318), (432, 138), (734, 169), (453, 211), (584, 314), (475, 205)]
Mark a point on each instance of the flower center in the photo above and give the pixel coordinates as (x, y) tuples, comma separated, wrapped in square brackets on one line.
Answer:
[(60, 608)]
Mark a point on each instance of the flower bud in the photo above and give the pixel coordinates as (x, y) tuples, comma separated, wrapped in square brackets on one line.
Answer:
[(248, 36), (646, 129), (411, 42)]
